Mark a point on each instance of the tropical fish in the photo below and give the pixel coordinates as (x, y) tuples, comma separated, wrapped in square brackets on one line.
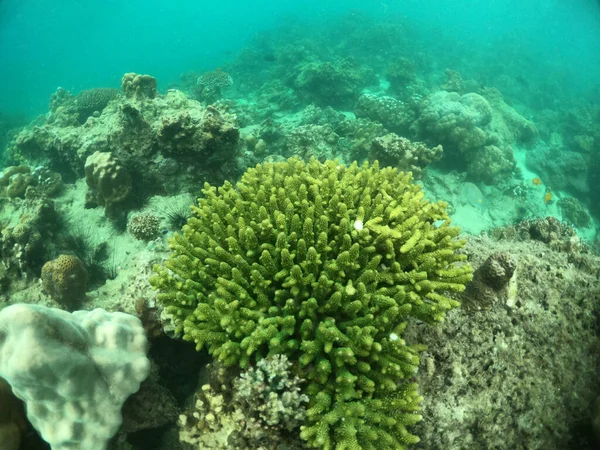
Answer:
[(537, 181), (548, 197)]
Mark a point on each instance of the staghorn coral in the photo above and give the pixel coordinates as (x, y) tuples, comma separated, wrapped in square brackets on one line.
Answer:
[(65, 279), (325, 264), (145, 226), (393, 150), (108, 180)]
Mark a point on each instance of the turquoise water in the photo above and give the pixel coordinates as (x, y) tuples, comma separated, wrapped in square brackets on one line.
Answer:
[(283, 225), (80, 45)]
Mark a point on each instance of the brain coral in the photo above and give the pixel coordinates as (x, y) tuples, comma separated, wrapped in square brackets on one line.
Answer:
[(65, 278), (325, 264)]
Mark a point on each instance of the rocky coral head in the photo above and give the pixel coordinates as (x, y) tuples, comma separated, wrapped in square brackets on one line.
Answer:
[(108, 180), (139, 86)]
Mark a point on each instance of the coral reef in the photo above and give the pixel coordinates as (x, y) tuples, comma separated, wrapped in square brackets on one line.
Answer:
[(311, 141), (491, 164), (26, 241), (19, 181), (455, 121), (477, 131), (65, 279), (574, 212), (559, 236), (325, 264), (210, 84), (154, 137), (454, 82), (400, 74), (15, 180), (393, 150)]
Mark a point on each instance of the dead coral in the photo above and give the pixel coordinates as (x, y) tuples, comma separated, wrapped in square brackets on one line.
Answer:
[(396, 151), (262, 408), (490, 282)]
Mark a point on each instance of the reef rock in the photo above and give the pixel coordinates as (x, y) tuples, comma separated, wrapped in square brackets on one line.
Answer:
[(141, 129)]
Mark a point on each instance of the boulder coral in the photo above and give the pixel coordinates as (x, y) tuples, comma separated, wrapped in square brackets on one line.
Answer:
[(108, 181), (478, 130), (325, 264)]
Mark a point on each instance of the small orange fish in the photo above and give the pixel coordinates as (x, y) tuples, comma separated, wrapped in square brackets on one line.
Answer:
[(548, 197), (537, 181)]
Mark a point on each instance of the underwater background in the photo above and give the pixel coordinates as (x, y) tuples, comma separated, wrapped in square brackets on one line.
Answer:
[(286, 225)]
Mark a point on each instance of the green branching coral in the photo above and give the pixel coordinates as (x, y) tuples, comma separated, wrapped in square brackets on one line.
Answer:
[(323, 263)]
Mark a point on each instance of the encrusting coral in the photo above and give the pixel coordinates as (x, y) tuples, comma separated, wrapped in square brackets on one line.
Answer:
[(324, 264)]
